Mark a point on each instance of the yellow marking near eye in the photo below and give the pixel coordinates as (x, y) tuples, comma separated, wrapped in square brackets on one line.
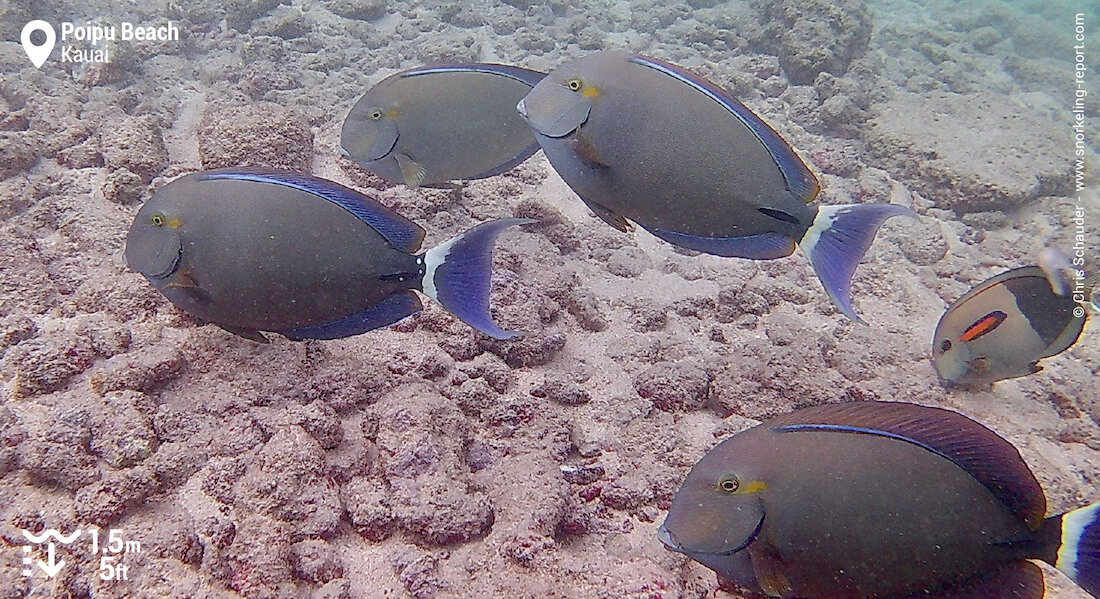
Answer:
[(590, 91), (753, 487), (392, 113), (174, 223)]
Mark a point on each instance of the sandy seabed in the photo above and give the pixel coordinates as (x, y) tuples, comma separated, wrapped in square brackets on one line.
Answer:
[(429, 461)]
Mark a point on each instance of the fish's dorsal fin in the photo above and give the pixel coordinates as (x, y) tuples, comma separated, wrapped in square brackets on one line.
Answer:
[(402, 233), (800, 181), (520, 74), (982, 453)]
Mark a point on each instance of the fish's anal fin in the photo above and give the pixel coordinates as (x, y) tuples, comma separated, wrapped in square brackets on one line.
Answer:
[(766, 246), (411, 171), (1015, 580), (250, 334), (982, 453), (609, 217), (396, 307)]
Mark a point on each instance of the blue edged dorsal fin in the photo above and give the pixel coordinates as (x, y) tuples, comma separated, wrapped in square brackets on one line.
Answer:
[(766, 246), (386, 312), (520, 74), (986, 456), (800, 181), (402, 233)]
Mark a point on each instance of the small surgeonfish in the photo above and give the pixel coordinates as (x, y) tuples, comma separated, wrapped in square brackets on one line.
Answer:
[(260, 250), (431, 125), (640, 139), (877, 499), (1004, 326)]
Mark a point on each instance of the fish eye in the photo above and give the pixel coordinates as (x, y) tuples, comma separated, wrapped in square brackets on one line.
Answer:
[(575, 84), (729, 484), (158, 220), (375, 114), (945, 345)]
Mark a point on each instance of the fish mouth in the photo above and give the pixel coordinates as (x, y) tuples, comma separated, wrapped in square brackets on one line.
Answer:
[(667, 537)]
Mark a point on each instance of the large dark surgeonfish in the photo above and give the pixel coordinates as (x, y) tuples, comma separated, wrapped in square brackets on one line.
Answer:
[(260, 250), (1002, 327), (876, 499), (432, 125), (644, 140)]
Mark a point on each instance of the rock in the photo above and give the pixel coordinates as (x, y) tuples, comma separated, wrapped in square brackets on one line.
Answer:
[(145, 370), (368, 505), (104, 502), (562, 391), (970, 152), (134, 144), (584, 305), (816, 35), (124, 187), (261, 134), (674, 386), (315, 560), (627, 493), (45, 364), (286, 481), (125, 436), (363, 10)]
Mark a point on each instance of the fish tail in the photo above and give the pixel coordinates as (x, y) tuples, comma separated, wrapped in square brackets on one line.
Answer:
[(1078, 546), (458, 273), (837, 240)]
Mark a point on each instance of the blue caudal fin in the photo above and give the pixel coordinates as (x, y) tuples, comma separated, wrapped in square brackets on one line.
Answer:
[(837, 240), (458, 273), (1079, 552)]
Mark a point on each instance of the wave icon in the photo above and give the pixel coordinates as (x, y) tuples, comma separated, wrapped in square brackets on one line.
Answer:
[(50, 532)]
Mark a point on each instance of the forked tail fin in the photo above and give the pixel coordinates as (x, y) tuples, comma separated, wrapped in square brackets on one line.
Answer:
[(1079, 547), (837, 240), (458, 273)]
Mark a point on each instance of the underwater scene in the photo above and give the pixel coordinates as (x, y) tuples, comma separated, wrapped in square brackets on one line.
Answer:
[(549, 298)]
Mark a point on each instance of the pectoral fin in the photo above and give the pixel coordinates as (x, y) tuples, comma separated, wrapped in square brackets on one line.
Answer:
[(587, 153), (609, 217), (765, 564), (411, 170), (250, 334)]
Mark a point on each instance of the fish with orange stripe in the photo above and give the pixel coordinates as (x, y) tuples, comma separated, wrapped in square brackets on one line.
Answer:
[(1001, 328)]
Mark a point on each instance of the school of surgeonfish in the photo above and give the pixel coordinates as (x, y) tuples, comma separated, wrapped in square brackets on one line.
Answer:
[(260, 250), (877, 499), (643, 140), (859, 500), (433, 125), (1002, 327)]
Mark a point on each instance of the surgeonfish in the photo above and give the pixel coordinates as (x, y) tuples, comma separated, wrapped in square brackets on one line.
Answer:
[(877, 499), (1001, 328), (432, 125), (641, 139), (255, 250)]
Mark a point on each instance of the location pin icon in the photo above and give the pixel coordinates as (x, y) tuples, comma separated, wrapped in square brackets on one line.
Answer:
[(38, 54)]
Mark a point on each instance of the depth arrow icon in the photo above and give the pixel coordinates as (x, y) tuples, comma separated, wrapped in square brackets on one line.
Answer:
[(51, 569)]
